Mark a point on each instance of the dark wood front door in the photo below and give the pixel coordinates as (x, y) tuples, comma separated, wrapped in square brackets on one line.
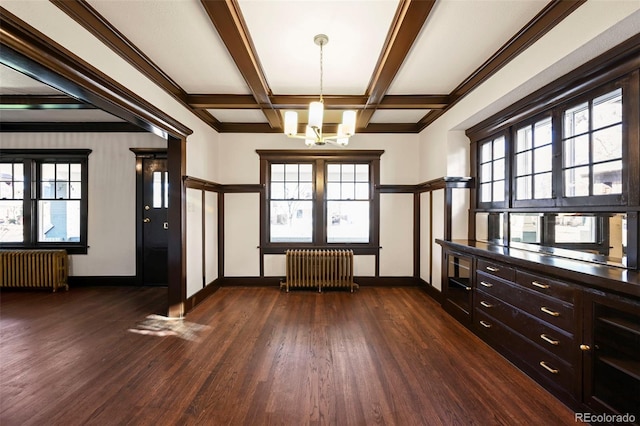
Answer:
[(155, 200)]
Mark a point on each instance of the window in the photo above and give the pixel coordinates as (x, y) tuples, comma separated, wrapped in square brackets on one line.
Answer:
[(533, 161), (492, 170), (321, 199), (43, 199), (291, 203), (592, 146)]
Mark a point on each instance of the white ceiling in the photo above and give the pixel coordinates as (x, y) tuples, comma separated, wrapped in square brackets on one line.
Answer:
[(179, 37)]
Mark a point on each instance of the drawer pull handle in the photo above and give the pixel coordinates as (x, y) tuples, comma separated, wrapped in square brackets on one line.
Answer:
[(540, 285), (585, 347), (550, 312), (485, 324), (548, 368), (549, 340), (485, 284), (492, 269), (468, 288), (486, 304)]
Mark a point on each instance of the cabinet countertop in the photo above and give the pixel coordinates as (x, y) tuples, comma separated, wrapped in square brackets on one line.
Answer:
[(590, 275)]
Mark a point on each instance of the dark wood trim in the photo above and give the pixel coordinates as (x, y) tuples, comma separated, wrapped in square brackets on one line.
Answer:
[(203, 184), (221, 236), (69, 127), (416, 235), (431, 239), (96, 24), (433, 292), (305, 154), (42, 102), (540, 25), (227, 18), (177, 264), (95, 281), (201, 295), (362, 281), (242, 188), (396, 189), (219, 101), (36, 55), (406, 25), (445, 182)]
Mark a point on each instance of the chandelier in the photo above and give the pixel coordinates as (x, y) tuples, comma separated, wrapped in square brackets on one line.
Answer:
[(313, 134)]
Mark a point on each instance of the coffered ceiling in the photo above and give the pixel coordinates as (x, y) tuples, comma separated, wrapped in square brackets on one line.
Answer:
[(239, 64)]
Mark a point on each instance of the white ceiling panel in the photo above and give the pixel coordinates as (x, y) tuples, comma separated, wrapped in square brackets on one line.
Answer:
[(238, 115), (283, 31), (458, 37), (398, 115), (179, 38)]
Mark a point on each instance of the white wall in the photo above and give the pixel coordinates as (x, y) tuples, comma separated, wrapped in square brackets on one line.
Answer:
[(202, 145), (241, 165), (112, 194)]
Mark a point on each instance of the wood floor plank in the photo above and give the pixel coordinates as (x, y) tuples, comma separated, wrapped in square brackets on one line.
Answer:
[(388, 356)]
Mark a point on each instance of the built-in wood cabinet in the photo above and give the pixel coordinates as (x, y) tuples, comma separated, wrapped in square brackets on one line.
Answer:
[(566, 325), (458, 287)]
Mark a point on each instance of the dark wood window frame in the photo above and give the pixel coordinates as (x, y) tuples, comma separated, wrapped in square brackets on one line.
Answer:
[(320, 158), (32, 160), (617, 68)]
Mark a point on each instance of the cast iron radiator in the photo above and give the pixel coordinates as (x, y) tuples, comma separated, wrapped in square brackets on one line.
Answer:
[(34, 268), (319, 269)]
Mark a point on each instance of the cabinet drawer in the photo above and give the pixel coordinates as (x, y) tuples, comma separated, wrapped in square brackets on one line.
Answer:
[(539, 364), (554, 311), (496, 269), (557, 342), (546, 286)]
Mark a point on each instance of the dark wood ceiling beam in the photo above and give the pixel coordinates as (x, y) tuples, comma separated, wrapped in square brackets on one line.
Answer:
[(41, 102), (407, 24), (213, 101), (552, 14), (96, 24), (228, 21), (328, 128), (29, 51)]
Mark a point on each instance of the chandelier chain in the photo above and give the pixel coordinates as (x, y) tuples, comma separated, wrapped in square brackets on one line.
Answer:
[(321, 72)]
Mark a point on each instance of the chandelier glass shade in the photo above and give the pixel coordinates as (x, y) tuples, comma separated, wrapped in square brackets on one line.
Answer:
[(313, 134)]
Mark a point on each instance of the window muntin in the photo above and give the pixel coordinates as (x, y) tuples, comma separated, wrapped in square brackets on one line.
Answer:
[(43, 199), (291, 202), (592, 146), (348, 203), (533, 161), (492, 170)]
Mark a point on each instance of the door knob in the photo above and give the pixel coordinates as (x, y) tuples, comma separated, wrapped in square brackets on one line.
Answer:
[(146, 220)]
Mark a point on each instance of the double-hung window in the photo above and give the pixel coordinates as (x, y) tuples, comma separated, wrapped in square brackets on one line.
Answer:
[(43, 199), (320, 199)]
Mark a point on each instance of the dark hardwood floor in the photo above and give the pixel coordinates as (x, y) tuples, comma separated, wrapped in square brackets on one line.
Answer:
[(379, 356)]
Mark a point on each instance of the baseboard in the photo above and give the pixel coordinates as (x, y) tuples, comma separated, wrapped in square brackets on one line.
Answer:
[(433, 292), (362, 281), (116, 280), (197, 298)]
